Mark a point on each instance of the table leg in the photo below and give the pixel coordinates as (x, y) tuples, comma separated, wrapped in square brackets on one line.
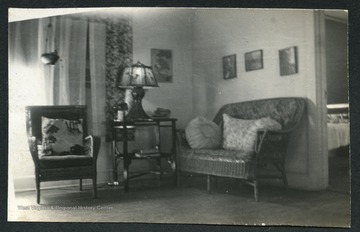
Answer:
[(159, 167), (126, 174), (174, 150), (115, 171)]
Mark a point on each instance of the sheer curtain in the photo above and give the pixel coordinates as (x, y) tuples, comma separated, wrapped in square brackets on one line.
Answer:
[(69, 89), (97, 52), (26, 87), (33, 83), (59, 84)]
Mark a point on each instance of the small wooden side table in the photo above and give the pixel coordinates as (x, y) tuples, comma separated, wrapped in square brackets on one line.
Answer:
[(127, 156)]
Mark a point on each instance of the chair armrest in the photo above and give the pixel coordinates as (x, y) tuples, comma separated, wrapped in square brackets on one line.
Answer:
[(92, 146), (33, 149), (272, 144), (181, 139)]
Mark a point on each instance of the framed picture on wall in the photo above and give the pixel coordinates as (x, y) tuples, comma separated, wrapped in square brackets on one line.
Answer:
[(254, 60), (229, 66), (288, 58), (161, 62)]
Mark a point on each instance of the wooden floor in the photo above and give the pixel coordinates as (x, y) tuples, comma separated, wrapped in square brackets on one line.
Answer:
[(159, 201), (339, 170), (155, 201)]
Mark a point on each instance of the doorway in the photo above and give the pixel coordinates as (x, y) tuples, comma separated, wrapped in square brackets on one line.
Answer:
[(336, 39)]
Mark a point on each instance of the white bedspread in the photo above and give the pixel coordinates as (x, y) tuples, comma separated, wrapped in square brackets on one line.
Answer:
[(338, 135)]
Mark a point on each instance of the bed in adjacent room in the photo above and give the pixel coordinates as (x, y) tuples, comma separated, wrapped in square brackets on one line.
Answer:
[(338, 126), (338, 147)]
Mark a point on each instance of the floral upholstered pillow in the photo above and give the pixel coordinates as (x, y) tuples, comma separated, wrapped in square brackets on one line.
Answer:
[(62, 137), (202, 133), (240, 134)]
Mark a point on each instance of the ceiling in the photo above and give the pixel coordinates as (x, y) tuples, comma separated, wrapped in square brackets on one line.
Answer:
[(19, 14), (338, 14)]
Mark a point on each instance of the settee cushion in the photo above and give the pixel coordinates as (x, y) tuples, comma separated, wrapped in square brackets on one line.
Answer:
[(62, 137), (202, 133), (241, 134)]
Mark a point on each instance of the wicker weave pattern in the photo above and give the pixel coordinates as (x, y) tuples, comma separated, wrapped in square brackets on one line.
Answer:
[(220, 167), (217, 154)]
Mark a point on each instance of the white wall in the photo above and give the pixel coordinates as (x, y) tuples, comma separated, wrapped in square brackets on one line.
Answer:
[(167, 29), (224, 32)]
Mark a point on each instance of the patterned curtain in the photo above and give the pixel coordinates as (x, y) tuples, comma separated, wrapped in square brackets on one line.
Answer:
[(118, 56)]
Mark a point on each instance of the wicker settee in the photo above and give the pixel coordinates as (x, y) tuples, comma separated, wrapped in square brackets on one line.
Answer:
[(270, 146)]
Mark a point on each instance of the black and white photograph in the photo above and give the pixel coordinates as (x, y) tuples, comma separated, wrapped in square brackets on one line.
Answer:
[(96, 135)]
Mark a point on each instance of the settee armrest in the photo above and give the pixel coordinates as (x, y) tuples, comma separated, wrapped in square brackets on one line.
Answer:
[(92, 146), (272, 144), (181, 139)]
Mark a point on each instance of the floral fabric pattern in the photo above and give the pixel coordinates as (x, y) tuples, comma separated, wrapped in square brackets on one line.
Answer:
[(118, 56), (62, 137), (286, 111), (241, 134)]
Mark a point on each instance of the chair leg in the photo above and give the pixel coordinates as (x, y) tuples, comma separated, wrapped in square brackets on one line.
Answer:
[(81, 185), (208, 183), (256, 190), (125, 175), (283, 173), (37, 190), (177, 178), (94, 187), (216, 181), (158, 161)]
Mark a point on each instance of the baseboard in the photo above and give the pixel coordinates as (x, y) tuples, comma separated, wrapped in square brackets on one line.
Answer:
[(27, 183)]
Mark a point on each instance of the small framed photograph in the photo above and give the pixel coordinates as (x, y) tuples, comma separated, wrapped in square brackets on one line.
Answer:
[(229, 66), (288, 58), (254, 60), (161, 62)]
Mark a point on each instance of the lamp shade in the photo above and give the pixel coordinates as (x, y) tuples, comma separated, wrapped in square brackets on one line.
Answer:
[(138, 75)]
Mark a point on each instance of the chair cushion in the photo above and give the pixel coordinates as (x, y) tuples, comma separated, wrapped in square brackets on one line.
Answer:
[(241, 134), (65, 161), (202, 133), (62, 137)]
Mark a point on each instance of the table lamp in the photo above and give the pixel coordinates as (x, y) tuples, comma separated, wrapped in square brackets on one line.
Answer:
[(137, 77)]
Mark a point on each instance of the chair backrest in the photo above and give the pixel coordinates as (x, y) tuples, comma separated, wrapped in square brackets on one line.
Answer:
[(287, 111), (69, 112)]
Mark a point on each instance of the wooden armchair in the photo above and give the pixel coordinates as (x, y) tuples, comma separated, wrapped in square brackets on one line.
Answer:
[(64, 166)]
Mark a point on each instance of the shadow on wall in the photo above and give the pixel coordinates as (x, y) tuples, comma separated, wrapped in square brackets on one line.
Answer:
[(307, 163)]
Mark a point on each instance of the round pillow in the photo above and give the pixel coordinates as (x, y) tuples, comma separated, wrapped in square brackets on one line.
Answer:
[(202, 133)]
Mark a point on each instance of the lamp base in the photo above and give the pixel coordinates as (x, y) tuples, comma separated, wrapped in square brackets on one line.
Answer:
[(136, 111)]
